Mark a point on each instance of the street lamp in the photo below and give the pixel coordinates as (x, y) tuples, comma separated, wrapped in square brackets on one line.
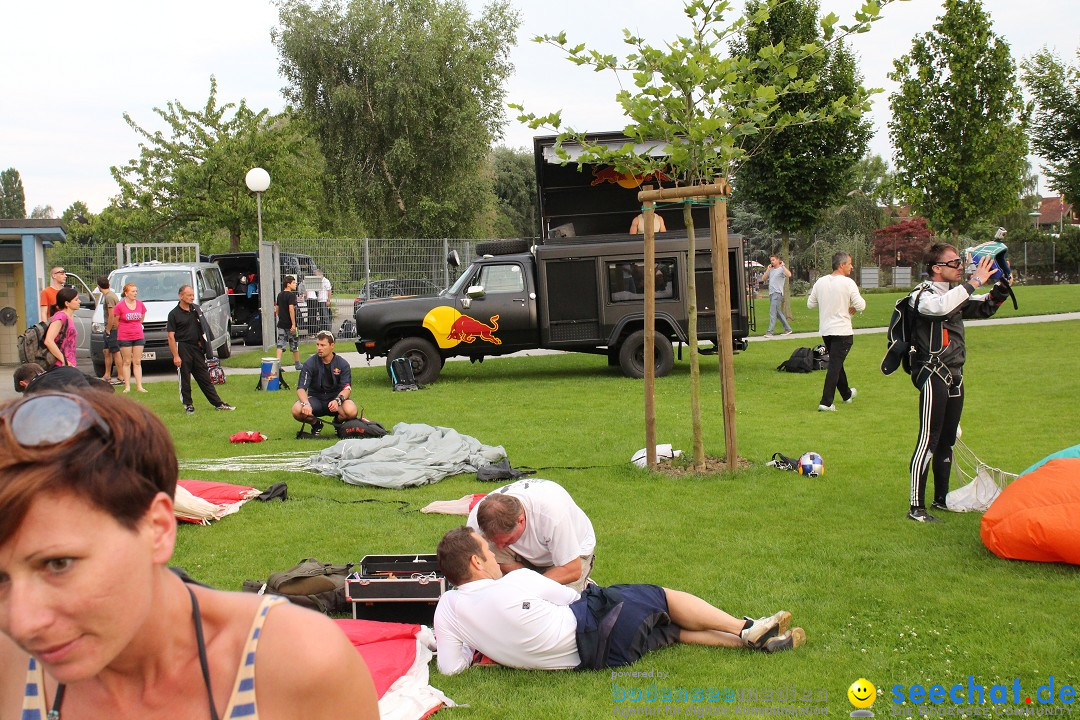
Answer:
[(258, 180)]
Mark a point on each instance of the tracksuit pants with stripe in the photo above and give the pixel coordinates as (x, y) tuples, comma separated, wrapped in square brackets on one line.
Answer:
[(940, 406)]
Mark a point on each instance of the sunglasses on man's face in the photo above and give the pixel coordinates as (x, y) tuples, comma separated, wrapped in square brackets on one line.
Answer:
[(51, 419), (955, 264)]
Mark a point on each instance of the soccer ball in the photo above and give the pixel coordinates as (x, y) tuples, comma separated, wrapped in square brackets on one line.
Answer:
[(811, 464)]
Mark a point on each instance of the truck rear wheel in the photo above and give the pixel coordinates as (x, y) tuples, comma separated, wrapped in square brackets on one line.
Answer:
[(632, 355), (426, 360), (502, 247)]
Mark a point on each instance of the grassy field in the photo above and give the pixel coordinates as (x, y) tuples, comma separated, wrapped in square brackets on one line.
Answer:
[(880, 597)]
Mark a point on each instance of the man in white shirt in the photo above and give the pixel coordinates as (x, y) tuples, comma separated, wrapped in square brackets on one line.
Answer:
[(526, 620), (837, 298), (535, 524)]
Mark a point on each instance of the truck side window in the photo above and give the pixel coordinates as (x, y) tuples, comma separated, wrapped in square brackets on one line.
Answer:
[(626, 280), (502, 279)]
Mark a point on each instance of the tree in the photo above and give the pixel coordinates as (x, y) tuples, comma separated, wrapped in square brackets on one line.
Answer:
[(515, 192), (903, 243), (1055, 130), (189, 183), (704, 113), (12, 197), (958, 121), (405, 98), (871, 177), (801, 170), (43, 212)]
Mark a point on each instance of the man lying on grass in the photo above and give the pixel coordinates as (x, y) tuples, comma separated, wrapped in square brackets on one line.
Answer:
[(526, 620)]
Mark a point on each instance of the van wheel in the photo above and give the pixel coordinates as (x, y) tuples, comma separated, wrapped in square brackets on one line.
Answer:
[(426, 361), (502, 247), (225, 351), (99, 365), (632, 355)]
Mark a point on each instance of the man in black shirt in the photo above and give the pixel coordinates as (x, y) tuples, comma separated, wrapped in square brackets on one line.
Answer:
[(324, 386), (287, 333), (188, 344)]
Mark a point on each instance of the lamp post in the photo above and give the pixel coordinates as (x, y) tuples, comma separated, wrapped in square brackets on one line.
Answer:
[(258, 180)]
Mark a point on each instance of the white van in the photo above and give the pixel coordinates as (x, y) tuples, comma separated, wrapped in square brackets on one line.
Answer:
[(159, 288)]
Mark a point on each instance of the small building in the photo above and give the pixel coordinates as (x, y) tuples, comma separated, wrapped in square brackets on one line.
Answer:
[(22, 277), (1054, 214)]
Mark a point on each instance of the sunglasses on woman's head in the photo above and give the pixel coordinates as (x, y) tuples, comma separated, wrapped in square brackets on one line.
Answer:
[(51, 419)]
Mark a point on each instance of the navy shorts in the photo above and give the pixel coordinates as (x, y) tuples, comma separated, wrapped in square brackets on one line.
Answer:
[(319, 406), (131, 343), (111, 343), (641, 625)]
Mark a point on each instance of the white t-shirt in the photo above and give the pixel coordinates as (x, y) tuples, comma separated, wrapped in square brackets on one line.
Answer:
[(522, 620), (556, 529), (832, 296)]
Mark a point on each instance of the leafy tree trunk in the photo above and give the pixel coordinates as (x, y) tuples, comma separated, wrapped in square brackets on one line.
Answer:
[(692, 310), (234, 240)]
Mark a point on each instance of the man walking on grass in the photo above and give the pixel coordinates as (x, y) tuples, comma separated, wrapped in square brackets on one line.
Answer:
[(776, 275), (837, 298)]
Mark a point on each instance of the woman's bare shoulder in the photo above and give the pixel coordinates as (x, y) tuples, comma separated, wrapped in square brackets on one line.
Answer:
[(309, 668)]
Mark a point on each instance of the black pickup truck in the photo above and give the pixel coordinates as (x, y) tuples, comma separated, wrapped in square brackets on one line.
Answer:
[(580, 289)]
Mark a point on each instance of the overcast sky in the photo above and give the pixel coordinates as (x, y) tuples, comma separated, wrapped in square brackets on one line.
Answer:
[(73, 68)]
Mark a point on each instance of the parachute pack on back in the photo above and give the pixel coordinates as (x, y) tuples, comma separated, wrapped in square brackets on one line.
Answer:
[(900, 336)]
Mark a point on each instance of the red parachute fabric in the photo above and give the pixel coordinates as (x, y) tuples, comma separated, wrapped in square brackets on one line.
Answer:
[(1037, 517)]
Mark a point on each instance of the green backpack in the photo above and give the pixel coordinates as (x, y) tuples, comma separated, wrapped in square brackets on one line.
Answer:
[(310, 583)]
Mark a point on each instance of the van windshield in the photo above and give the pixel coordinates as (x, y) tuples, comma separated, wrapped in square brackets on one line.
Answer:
[(162, 285)]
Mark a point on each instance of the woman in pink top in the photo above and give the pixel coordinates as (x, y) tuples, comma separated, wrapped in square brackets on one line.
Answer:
[(130, 336), (61, 338)]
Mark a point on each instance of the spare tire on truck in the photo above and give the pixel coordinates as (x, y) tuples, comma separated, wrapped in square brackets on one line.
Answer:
[(503, 247)]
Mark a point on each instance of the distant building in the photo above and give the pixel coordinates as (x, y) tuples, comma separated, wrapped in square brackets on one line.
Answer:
[(1054, 212)]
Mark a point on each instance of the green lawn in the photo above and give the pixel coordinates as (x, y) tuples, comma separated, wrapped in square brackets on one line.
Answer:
[(880, 597)]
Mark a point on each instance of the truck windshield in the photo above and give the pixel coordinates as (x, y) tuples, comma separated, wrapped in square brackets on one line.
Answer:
[(153, 286)]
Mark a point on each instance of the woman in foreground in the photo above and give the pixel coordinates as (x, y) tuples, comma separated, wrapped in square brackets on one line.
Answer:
[(93, 624)]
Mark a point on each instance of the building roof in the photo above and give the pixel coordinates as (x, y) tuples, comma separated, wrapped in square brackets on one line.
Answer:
[(1051, 209)]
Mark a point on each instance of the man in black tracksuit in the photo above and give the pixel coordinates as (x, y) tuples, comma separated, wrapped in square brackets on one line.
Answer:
[(189, 347), (938, 364)]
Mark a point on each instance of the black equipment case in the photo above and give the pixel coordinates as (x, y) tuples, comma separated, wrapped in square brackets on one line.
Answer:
[(396, 588)]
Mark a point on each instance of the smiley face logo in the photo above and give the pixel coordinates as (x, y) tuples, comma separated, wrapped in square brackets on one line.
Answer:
[(862, 693)]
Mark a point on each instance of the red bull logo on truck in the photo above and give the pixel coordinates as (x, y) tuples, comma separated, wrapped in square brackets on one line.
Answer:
[(449, 327)]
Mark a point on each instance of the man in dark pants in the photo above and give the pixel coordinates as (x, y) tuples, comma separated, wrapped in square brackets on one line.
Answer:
[(189, 346), (837, 298), (938, 366)]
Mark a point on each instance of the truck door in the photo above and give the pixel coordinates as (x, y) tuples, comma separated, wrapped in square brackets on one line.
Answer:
[(507, 293)]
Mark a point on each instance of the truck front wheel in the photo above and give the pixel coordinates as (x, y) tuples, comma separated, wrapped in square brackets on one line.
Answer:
[(426, 360), (632, 355)]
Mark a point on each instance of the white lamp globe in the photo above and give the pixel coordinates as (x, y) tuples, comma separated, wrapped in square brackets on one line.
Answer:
[(257, 180)]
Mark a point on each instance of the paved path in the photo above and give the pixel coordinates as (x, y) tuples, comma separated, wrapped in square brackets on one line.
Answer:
[(357, 360)]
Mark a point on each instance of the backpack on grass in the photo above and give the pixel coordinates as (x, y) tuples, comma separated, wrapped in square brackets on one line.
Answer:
[(310, 583), (802, 360), (359, 429), (31, 344)]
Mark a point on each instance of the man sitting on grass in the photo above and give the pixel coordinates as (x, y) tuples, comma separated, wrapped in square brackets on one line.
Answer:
[(526, 620), (324, 386)]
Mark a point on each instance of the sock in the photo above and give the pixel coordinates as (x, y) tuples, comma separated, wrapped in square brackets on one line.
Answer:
[(749, 624)]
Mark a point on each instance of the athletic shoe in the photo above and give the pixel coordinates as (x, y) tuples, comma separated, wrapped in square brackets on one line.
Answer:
[(225, 406), (940, 506), (768, 335), (796, 637), (854, 394), (316, 427), (299, 366), (189, 409), (765, 628), (826, 408), (787, 332), (920, 515)]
